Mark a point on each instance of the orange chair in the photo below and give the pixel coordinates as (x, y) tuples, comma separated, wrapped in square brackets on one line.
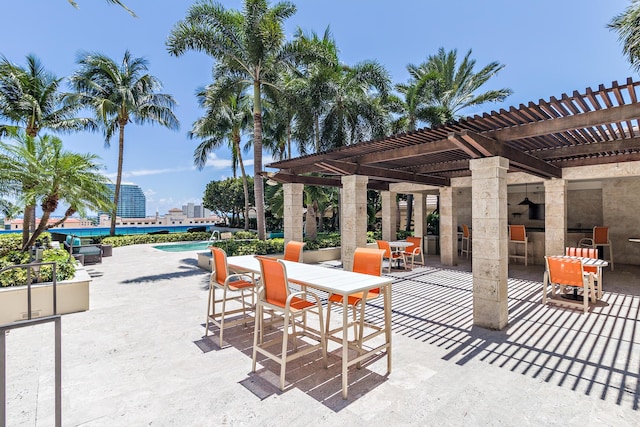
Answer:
[(415, 250), (596, 271), (563, 272), (465, 244), (365, 261), (274, 294), (389, 254), (600, 238), (518, 236), (293, 251), (221, 279)]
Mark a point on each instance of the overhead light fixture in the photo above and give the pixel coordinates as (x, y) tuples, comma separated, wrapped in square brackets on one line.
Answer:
[(526, 201)]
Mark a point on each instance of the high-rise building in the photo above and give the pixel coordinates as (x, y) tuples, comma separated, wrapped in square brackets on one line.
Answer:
[(132, 202)]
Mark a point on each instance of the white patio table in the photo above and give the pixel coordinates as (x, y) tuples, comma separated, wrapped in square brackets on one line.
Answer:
[(339, 282), (399, 246)]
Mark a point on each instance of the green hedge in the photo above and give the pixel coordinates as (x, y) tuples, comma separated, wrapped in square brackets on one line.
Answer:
[(65, 268)]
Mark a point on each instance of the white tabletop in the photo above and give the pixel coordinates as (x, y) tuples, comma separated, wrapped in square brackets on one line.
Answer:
[(589, 262), (400, 244), (326, 279)]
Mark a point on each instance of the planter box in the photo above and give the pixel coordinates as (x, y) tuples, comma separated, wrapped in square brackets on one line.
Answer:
[(72, 296)]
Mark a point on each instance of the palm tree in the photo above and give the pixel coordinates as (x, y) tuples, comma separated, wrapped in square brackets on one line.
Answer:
[(38, 169), (249, 47), (627, 25), (118, 2), (453, 87), (120, 94), (349, 105), (226, 119), (30, 99)]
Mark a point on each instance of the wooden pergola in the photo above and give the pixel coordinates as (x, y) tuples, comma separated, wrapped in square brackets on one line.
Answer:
[(571, 138), (594, 127)]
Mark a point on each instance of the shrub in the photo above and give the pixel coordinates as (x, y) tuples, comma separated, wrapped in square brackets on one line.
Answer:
[(65, 268)]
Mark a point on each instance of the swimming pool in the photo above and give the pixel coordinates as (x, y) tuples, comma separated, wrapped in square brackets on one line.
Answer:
[(183, 247)]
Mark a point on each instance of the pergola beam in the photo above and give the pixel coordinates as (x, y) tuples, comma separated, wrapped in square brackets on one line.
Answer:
[(589, 149), (393, 175), (563, 124), (321, 181), (517, 158)]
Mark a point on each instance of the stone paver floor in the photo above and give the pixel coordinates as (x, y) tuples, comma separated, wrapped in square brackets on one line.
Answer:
[(138, 357)]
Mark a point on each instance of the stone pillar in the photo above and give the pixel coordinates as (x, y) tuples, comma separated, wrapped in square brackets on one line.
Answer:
[(420, 218), (353, 221), (489, 241), (389, 215), (293, 211), (555, 222), (448, 227)]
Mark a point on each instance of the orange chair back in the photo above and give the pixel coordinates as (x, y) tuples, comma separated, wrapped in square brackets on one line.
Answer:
[(582, 252), (517, 233), (293, 251), (600, 235), (565, 271), (465, 231), (274, 280), (384, 245), (368, 261), (220, 268), (416, 242)]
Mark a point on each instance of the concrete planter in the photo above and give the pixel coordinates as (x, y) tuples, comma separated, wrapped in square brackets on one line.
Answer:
[(72, 297), (309, 257)]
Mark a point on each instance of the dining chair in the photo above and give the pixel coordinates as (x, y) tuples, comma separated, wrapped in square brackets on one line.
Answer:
[(275, 295), (365, 261), (600, 238), (597, 271), (517, 237), (390, 255), (567, 272), (293, 251), (465, 244), (415, 250), (234, 287)]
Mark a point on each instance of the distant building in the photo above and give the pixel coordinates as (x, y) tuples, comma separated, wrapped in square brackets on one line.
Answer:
[(132, 202), (195, 211), (16, 224)]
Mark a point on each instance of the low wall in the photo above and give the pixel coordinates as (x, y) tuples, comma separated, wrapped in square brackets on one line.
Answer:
[(72, 296)]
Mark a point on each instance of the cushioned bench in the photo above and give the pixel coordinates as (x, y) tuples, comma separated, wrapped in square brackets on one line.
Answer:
[(91, 254)]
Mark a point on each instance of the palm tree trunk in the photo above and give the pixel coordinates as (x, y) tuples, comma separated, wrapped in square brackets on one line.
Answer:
[(26, 223), (409, 212), (245, 185), (310, 227), (42, 226), (258, 183), (116, 193), (317, 132)]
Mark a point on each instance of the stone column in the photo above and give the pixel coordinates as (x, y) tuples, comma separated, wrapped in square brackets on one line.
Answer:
[(489, 241), (353, 220), (293, 211), (389, 212), (448, 227), (555, 222), (420, 214)]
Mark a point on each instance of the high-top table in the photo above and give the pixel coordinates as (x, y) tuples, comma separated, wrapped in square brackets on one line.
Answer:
[(338, 282)]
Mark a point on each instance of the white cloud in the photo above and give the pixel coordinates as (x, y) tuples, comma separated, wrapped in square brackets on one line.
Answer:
[(217, 163)]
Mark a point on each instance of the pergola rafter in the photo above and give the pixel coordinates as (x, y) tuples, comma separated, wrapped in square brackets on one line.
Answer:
[(594, 127)]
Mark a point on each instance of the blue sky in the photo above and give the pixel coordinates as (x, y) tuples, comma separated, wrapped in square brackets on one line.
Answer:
[(549, 48)]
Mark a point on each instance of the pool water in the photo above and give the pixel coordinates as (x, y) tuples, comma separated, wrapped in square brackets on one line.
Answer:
[(183, 247)]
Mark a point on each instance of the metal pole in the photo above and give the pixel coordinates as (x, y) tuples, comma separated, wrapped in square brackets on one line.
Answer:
[(3, 380), (58, 373)]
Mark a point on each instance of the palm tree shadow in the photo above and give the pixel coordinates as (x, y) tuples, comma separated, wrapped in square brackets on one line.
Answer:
[(188, 269)]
